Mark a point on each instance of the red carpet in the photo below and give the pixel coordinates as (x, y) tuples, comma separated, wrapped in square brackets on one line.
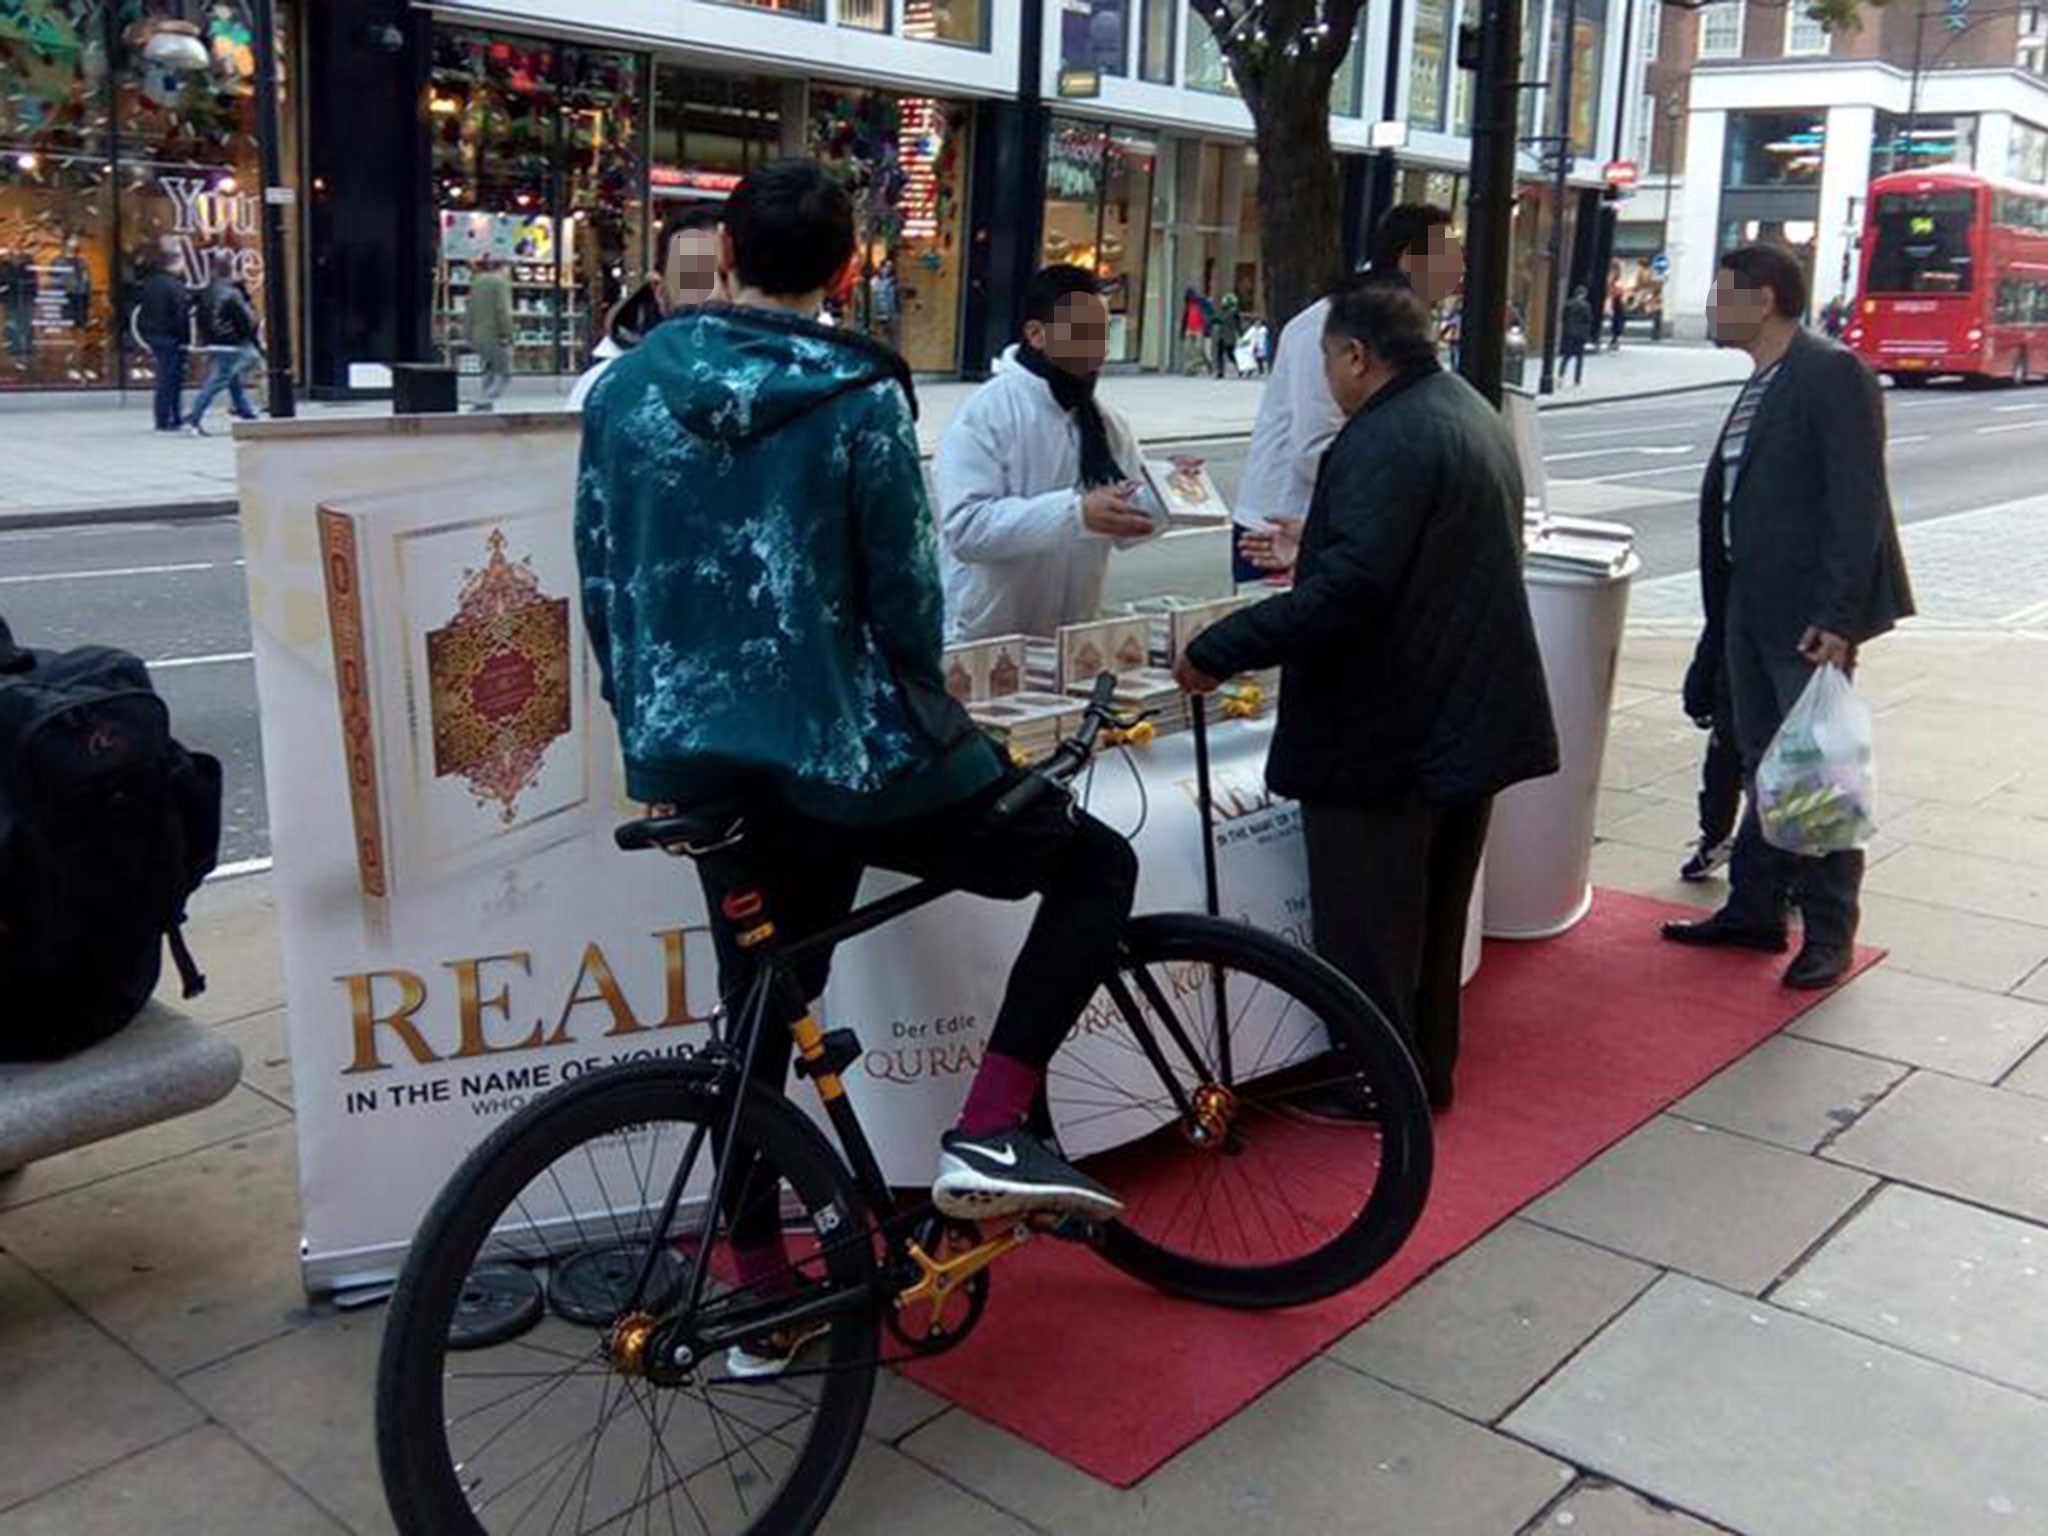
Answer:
[(1569, 1045)]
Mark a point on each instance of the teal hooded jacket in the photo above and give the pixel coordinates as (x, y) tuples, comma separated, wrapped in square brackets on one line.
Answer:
[(760, 574)]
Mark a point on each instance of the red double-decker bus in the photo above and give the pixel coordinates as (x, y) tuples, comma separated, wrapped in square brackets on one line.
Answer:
[(1955, 278)]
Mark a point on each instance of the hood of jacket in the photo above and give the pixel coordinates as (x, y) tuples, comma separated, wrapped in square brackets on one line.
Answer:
[(739, 375)]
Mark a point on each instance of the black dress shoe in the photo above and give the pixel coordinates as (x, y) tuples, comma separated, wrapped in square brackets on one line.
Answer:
[(1818, 967), (1718, 932)]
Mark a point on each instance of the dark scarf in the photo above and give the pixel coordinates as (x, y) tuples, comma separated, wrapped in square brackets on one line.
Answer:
[(1076, 396)]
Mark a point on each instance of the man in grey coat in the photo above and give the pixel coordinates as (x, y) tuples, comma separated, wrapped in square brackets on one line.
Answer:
[(1799, 565)]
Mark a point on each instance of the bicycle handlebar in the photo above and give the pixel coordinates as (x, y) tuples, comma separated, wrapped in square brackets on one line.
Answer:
[(1069, 758)]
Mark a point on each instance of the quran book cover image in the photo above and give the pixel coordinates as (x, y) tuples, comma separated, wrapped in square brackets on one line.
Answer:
[(463, 680)]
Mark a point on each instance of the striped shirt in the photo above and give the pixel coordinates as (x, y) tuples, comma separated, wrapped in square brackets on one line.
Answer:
[(1735, 440)]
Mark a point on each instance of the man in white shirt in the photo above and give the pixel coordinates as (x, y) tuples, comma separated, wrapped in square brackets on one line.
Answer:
[(1037, 479), (1298, 416)]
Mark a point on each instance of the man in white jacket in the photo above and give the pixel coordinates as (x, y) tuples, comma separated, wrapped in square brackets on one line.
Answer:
[(1298, 416), (1037, 480)]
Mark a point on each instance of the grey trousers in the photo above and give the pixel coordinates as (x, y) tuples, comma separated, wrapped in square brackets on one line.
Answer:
[(1390, 888), (1766, 677)]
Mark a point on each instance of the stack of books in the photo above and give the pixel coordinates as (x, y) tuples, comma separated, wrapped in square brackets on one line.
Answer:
[(987, 669), (1027, 725), (1582, 545)]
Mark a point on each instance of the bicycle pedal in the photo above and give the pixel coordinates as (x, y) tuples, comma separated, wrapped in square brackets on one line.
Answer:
[(1066, 1226)]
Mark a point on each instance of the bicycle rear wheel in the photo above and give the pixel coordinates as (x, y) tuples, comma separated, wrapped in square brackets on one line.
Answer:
[(1207, 1055), (498, 1415)]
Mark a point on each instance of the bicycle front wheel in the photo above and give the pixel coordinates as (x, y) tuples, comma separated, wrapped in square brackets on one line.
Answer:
[(1271, 1137), (542, 1369)]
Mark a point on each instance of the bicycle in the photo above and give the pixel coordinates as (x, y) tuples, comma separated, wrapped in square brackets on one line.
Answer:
[(603, 1283)]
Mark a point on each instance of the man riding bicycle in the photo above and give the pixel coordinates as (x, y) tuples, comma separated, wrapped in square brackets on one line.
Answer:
[(761, 589)]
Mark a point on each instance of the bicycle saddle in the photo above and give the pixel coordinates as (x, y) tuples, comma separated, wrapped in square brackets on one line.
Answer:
[(688, 833)]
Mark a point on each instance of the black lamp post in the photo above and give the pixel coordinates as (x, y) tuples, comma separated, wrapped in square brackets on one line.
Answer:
[(276, 283)]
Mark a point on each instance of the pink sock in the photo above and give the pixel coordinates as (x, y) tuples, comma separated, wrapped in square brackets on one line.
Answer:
[(1001, 1095), (764, 1268)]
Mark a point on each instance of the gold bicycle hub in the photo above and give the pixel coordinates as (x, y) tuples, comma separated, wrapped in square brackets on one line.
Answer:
[(1215, 1110), (626, 1344)]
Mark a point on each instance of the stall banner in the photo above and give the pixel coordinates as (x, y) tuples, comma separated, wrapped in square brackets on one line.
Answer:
[(460, 933)]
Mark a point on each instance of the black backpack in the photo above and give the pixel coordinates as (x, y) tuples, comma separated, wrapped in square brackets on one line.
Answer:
[(107, 825)]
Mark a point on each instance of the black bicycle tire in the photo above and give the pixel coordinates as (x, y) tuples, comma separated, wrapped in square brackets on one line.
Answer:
[(423, 1494), (1406, 1136)]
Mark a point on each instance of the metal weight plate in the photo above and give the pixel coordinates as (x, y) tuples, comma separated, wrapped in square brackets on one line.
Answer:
[(590, 1287), (498, 1303)]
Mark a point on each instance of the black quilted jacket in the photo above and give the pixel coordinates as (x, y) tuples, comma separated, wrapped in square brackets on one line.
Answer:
[(1408, 657)]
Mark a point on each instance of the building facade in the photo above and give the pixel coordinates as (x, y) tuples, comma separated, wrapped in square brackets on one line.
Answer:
[(980, 138), (1757, 123)]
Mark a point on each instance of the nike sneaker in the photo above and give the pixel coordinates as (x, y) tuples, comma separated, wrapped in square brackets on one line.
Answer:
[(985, 1178)]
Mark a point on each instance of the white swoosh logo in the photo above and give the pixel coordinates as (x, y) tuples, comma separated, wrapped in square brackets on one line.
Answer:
[(1007, 1158)]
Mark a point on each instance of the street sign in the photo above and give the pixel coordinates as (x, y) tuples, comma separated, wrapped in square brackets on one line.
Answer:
[(1620, 174), (1660, 265)]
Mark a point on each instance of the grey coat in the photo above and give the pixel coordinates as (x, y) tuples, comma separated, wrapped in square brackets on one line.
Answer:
[(1810, 535)]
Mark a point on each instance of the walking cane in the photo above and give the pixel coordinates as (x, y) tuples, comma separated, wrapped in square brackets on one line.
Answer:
[(1199, 718)]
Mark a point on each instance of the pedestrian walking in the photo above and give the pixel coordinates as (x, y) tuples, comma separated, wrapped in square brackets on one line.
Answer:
[(18, 301), (1617, 316), (162, 322), (228, 333), (491, 325), (1411, 688), (1577, 335), (1800, 565), (1226, 333), (1835, 317), (74, 278)]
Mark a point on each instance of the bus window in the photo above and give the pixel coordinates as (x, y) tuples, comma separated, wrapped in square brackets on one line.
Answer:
[(1923, 242)]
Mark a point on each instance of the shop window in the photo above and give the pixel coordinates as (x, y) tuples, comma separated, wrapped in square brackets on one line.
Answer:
[(2027, 153), (1775, 149), (1347, 89), (165, 91), (1653, 28), (1586, 49), (537, 164), (807, 10), (904, 159), (1206, 68), (1429, 65), (962, 23), (1721, 30), (1535, 66), (1098, 215), (1094, 37), (1932, 141), (1155, 44)]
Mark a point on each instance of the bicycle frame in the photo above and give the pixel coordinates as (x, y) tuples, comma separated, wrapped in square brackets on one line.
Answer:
[(775, 982)]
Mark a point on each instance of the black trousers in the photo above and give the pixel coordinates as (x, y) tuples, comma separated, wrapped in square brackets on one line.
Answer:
[(1390, 889), (809, 873), (1765, 678), (1721, 774)]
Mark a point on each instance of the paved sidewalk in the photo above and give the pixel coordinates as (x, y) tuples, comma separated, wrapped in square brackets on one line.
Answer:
[(1808, 1301), (91, 458)]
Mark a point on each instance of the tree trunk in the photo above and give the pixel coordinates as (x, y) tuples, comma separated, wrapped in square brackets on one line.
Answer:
[(1300, 202)]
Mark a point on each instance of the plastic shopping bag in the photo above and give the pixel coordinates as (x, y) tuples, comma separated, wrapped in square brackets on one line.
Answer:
[(1816, 788)]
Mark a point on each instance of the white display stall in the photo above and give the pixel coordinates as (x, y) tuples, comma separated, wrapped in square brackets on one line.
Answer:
[(1540, 853), (459, 932)]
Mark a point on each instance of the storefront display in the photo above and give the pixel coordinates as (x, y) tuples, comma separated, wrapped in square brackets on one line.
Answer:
[(537, 159), (1098, 215), (127, 131), (905, 161)]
